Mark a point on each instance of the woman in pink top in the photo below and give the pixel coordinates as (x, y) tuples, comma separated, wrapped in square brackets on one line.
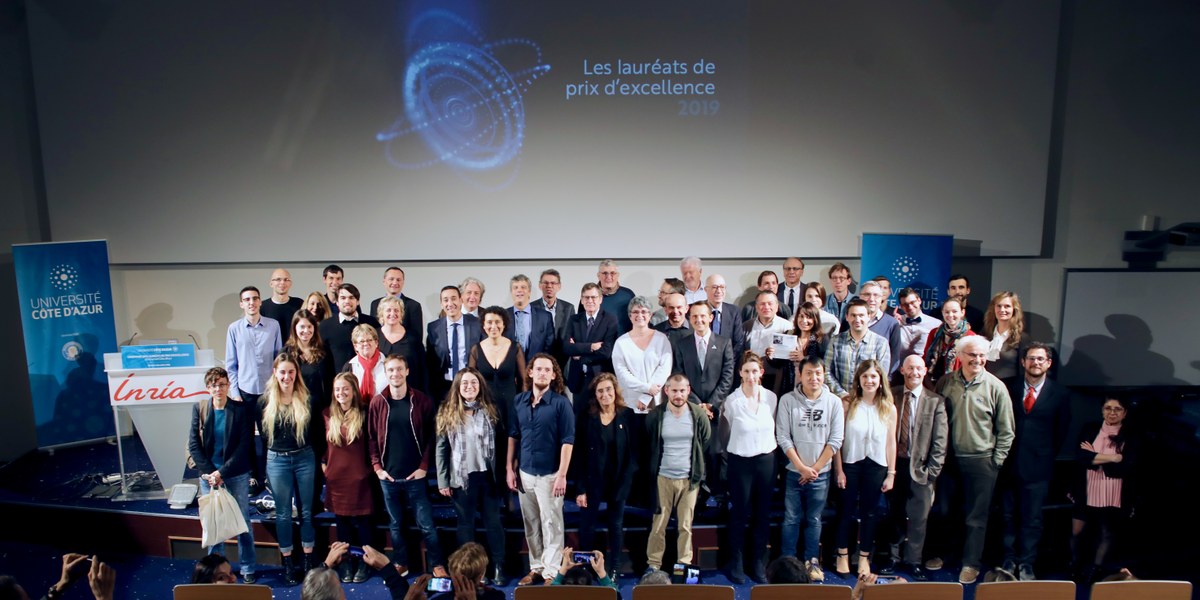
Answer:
[(1102, 492)]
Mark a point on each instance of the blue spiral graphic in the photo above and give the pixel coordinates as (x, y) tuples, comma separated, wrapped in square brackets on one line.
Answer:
[(462, 101)]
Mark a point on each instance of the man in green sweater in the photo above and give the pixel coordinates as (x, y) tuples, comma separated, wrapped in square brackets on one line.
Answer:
[(981, 433)]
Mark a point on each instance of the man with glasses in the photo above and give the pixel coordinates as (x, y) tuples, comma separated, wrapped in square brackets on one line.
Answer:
[(1042, 413), (280, 306), (839, 298), (590, 339), (250, 348), (550, 284), (532, 329), (616, 296), (727, 319), (981, 434), (791, 293), (670, 285)]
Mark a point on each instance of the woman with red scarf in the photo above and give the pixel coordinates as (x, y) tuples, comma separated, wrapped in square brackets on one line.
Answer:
[(367, 364), (939, 348)]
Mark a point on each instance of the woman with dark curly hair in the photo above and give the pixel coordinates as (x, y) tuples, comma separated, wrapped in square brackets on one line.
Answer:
[(1102, 494)]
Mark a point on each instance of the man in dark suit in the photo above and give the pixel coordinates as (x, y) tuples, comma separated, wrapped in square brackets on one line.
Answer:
[(1042, 413), (768, 281), (393, 286), (533, 329), (710, 372), (591, 335), (922, 432), (447, 340), (560, 311), (727, 319), (336, 330), (791, 291)]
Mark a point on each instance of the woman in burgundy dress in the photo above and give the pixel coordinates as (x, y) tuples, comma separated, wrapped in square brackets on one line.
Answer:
[(348, 471)]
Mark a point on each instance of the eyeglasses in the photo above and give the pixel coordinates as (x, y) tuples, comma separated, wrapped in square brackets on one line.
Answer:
[(793, 268), (279, 279), (1037, 360), (365, 342), (839, 278)]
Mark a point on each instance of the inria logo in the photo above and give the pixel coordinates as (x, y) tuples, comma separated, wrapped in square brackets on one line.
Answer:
[(64, 277), (905, 269)]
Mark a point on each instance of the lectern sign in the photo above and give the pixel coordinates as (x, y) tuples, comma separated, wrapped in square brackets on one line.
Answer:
[(146, 387)]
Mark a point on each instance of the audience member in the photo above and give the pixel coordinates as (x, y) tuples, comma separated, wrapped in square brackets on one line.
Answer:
[(787, 570), (467, 566), (587, 573), (655, 577), (213, 568)]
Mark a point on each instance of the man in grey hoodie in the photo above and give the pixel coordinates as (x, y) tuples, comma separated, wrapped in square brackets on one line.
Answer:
[(809, 427)]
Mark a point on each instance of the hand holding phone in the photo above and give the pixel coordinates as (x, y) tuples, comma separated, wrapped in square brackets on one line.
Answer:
[(439, 584)]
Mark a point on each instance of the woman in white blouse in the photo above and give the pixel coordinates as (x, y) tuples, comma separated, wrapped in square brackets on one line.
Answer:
[(641, 359), (749, 418), (865, 466), (815, 292)]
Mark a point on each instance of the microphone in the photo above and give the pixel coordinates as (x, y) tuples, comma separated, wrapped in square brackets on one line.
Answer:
[(194, 341), (130, 340)]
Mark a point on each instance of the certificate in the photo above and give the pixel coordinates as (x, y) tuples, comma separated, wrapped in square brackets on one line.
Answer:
[(782, 344)]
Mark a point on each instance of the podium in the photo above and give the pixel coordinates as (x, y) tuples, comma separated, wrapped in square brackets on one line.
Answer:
[(158, 400)]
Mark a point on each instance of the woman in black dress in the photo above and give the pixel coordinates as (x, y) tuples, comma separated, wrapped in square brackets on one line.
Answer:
[(394, 338), (499, 360), (316, 370), (605, 465)]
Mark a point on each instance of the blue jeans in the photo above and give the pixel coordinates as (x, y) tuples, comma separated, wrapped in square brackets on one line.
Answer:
[(804, 503), (239, 488), (396, 494), (290, 476)]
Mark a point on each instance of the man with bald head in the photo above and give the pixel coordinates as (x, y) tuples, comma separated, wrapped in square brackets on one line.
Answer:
[(727, 319), (393, 287), (280, 306), (791, 292), (676, 308), (922, 438)]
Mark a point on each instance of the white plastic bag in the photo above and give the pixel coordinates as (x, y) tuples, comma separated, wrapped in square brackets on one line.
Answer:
[(220, 517)]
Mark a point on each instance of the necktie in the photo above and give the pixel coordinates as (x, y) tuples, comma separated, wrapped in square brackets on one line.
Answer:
[(701, 350), (454, 366), (905, 433), (911, 321), (591, 321), (522, 330), (792, 300), (1030, 398), (717, 321)]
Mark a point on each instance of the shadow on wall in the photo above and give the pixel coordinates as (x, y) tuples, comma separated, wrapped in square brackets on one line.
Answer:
[(81, 406), (225, 311), (1124, 358), (1039, 328), (154, 323)]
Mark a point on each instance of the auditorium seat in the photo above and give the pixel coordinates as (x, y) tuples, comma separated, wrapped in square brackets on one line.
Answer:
[(800, 591), (212, 591), (691, 592), (1142, 590), (574, 592), (1026, 590), (914, 591)]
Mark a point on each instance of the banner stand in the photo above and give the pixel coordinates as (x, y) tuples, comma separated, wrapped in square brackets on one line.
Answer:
[(159, 403)]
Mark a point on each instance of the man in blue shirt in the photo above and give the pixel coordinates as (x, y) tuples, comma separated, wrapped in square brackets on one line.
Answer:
[(541, 437), (250, 348)]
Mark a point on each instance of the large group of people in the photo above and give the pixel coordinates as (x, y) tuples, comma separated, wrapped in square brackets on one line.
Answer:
[(913, 419)]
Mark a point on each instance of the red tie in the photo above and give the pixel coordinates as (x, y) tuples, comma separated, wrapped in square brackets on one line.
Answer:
[(1030, 398)]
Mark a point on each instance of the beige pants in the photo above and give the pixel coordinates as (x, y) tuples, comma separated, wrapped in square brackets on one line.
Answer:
[(673, 494), (542, 514)]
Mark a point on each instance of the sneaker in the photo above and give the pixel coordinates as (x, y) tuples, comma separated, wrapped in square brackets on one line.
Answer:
[(248, 578), (934, 564), (650, 569), (1025, 573), (968, 575), (814, 571), (1009, 565)]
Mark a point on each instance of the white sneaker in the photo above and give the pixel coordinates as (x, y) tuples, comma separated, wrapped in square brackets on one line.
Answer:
[(814, 571)]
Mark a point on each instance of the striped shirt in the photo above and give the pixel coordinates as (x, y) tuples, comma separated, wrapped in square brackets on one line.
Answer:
[(844, 355), (1104, 491)]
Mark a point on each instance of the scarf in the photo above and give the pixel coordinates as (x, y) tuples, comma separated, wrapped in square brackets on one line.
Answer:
[(366, 387), (943, 344), (458, 446)]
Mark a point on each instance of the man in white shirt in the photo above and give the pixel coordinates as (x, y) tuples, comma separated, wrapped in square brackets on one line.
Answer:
[(759, 332), (472, 296), (692, 271), (914, 324)]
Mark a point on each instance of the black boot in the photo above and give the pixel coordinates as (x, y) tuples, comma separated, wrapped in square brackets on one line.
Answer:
[(346, 569), (736, 574), (289, 571), (758, 571), (362, 573), (307, 562)]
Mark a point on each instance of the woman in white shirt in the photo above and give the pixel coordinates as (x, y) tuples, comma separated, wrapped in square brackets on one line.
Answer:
[(642, 363), (865, 466), (749, 418), (815, 292)]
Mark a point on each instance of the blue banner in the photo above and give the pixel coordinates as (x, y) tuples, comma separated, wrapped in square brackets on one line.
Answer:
[(67, 316), (921, 262)]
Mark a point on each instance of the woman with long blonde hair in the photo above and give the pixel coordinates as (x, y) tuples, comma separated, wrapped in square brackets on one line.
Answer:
[(865, 465), (286, 409), (348, 472), (1004, 327), (469, 429)]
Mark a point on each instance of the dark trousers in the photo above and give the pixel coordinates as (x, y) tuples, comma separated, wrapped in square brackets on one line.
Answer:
[(909, 503), (978, 478), (716, 462), (864, 483), (481, 495), (354, 530), (614, 519), (750, 493), (1022, 503), (259, 469)]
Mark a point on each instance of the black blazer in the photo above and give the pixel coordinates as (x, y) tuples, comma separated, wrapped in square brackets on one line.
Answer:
[(336, 336), (414, 317), (580, 350), (1122, 470), (437, 346), (239, 439), (711, 384), (1039, 434), (590, 450), (731, 327), (541, 331)]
